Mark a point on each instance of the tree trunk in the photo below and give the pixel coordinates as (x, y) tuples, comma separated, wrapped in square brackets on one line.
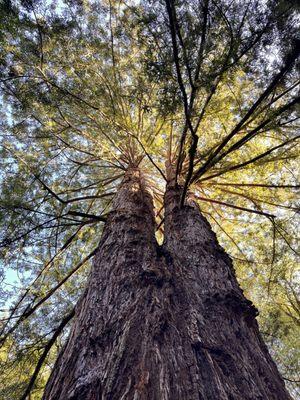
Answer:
[(162, 322)]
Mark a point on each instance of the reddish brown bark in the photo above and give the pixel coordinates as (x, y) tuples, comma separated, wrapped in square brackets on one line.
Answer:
[(162, 322), (229, 358)]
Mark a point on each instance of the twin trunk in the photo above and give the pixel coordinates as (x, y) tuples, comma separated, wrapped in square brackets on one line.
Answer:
[(162, 322)]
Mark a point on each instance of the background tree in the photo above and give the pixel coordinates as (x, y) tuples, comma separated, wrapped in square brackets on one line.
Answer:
[(90, 89)]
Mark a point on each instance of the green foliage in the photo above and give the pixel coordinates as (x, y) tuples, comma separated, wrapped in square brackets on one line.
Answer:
[(90, 88)]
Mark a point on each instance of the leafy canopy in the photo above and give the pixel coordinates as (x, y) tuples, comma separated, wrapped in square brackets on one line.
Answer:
[(91, 88)]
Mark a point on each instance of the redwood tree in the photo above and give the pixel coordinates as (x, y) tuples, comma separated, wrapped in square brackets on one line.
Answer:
[(148, 126)]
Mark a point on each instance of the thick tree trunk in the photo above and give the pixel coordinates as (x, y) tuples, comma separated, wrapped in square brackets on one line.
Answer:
[(229, 359), (162, 322)]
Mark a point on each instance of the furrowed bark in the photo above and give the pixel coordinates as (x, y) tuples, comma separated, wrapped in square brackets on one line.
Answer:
[(227, 358), (112, 351), (162, 322)]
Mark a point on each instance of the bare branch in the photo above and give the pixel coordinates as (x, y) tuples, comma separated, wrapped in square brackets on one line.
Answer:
[(47, 348), (236, 207)]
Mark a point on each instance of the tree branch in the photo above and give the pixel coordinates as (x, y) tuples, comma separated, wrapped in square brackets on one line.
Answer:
[(47, 348)]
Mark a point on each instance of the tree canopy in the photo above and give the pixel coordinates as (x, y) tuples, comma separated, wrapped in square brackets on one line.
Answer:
[(91, 88)]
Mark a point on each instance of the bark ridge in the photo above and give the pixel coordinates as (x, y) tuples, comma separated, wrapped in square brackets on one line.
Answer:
[(163, 322)]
